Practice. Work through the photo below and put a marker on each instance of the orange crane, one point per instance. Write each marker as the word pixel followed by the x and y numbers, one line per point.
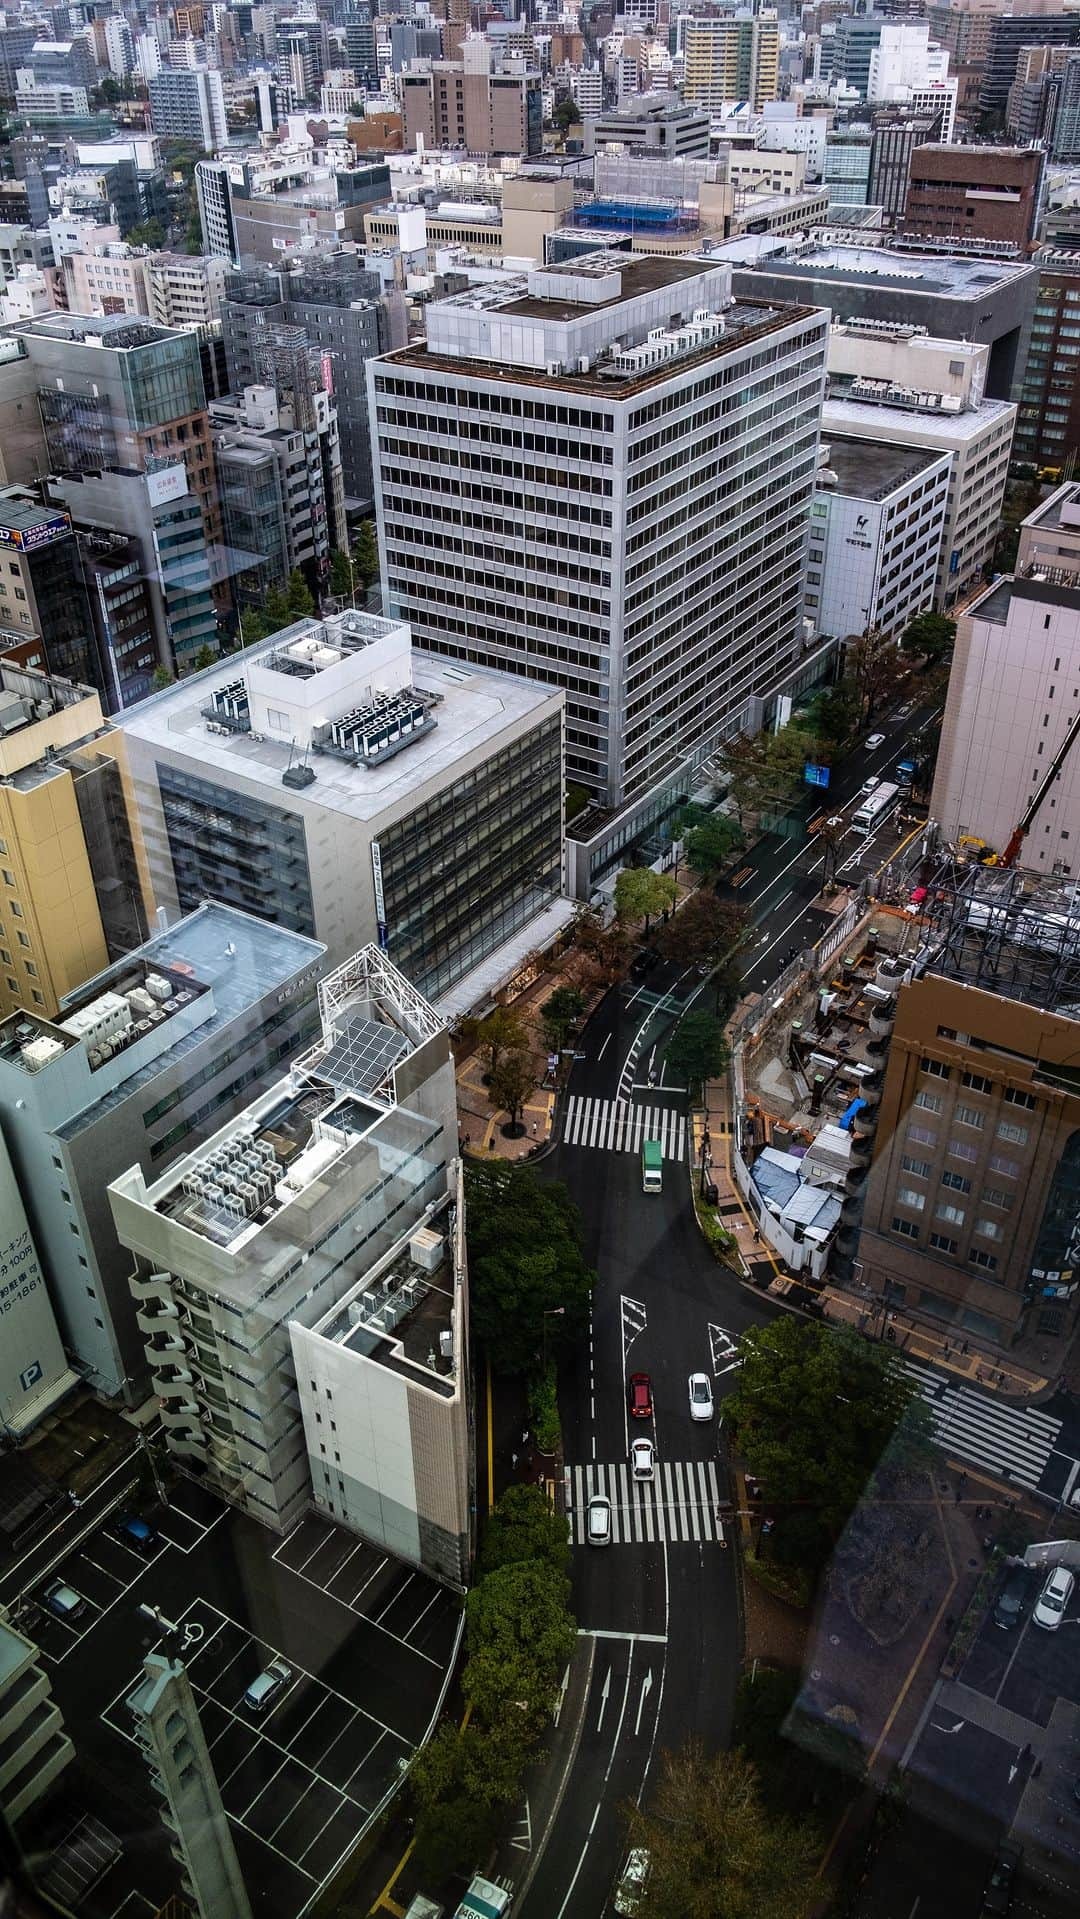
pixel 1020 832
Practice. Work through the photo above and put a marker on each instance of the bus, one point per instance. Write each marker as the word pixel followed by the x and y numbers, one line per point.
pixel 652 1166
pixel 874 807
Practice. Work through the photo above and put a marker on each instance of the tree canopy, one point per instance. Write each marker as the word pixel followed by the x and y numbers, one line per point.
pixel 930 635
pixel 640 893
pixel 875 667
pixel 698 1050
pixel 523 1526
pixel 561 1012
pixel 715 1851
pixel 815 1409
pixel 705 929
pixel 710 842
pixel 525 1259
pixel 512 1080
pixel 501 1031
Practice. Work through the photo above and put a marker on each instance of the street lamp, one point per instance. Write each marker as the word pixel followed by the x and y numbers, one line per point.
pixel 550 1312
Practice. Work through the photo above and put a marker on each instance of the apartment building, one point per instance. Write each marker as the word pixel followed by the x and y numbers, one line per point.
pixel 41 589
pixel 265 1231
pixel 899 387
pixel 135 1068
pixel 875 536
pixel 34 1747
pixel 449 105
pixel 638 449
pixel 187 103
pixel 970 1214
pixel 73 887
pixel 736 57
pixel 184 289
pixel 334 781
pixel 281 441
pixel 1012 697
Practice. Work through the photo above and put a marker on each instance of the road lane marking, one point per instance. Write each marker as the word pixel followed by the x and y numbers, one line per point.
pixel 604 1632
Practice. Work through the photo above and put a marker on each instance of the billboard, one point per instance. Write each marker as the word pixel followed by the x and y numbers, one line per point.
pixel 167 483
pixel 28 538
pixel 816 775
pixel 31 1355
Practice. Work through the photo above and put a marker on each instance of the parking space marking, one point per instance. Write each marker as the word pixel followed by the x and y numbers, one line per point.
pixel 126 1908
pixel 376 1617
pixel 422 1615
pixel 367 1617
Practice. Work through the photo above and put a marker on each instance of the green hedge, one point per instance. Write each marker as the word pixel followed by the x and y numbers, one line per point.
pixel 544 1409
pixel 792 1583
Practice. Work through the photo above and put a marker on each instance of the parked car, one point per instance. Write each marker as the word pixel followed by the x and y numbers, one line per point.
pixel 641 1459
pixel 999 1886
pixel 874 739
pixel 1053 1599
pixel 639 1394
pixel 632 1883
pixel 63 1601
pixel 272 1680
pixel 135 1532
pixel 701 1399
pixel 1012 1600
pixel 598 1527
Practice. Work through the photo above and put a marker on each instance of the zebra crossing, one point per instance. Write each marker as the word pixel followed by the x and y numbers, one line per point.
pixel 618 1128
pixel 1013 1442
pixel 679 1506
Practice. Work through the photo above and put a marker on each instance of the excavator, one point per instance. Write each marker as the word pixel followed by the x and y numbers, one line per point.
pixel 1020 832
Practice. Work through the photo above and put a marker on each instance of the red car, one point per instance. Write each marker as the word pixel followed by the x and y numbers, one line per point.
pixel 639 1393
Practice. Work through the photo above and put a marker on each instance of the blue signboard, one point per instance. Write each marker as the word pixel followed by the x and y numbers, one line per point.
pixel 816 775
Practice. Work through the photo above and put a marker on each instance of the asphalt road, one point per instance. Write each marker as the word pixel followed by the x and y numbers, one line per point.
pixel 660 1604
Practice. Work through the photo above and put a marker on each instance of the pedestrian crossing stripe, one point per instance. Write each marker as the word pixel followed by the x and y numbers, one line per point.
pixel 678 1507
pixel 1015 1442
pixel 618 1128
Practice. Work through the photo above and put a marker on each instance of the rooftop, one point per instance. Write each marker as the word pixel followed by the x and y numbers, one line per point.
pixel 870 470
pixel 470 706
pixel 637 274
pixel 1008 932
pixel 996 601
pixel 843 415
pixel 119 332
pixel 398 1312
pixel 941 274
pixel 1060 510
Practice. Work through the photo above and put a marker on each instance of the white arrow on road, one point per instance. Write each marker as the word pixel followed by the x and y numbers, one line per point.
pixel 561 1700
pixel 959 1726
pixel 646 1688
pixel 604 1699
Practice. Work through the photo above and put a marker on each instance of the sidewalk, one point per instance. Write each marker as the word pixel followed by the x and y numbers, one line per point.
pixel 1002 1376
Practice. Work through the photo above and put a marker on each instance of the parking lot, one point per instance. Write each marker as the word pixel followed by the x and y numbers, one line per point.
pixel 367 1642
pixel 1002 1740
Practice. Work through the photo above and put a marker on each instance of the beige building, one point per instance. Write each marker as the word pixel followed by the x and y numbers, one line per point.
pixel 447 105
pixel 74 891
pixel 108 279
pixel 734 58
pixel 184 290
pixel 767 170
pixel 1012 697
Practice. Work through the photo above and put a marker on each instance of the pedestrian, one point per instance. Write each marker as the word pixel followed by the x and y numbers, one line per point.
pixel 535 1129
pixel 964 1346
pixel 1036 1769
pixel 525 1437
pixel 513 1462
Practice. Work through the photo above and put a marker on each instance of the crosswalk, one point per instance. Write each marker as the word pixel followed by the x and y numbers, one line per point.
pixel 615 1127
pixel 1013 1442
pixel 680 1505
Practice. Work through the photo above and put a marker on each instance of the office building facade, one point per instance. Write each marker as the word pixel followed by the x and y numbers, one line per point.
pixel 269 1226
pixel 964 194
pixel 187 103
pixel 875 536
pixel 1048 423
pixel 42 592
pixel 136 1067
pixel 446 105
pixel 627 412
pixel 732 58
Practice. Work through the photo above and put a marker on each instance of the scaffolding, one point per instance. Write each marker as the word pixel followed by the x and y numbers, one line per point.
pixel 1005 931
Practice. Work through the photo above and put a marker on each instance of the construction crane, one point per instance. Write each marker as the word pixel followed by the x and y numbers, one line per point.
pixel 1020 832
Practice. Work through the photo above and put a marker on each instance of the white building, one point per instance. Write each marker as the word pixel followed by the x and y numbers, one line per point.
pixel 786 132
pixel 119 46
pixel 322 1210
pixel 1010 701
pixel 184 289
pixel 188 104
pixel 875 536
pixel 906 70
pixel 650 527
pixel 900 386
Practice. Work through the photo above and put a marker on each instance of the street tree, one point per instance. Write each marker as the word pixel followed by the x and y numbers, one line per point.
pixel 698 1050
pixel 599 951
pixel 526 1261
pixel 511 1083
pixel 342 575
pixel 520 1633
pixel 640 894
pixel 875 665
pixel 523 1526
pixel 816 1409
pixel 206 656
pixel 744 760
pixel 931 636
pixel 830 834
pixel 365 553
pixel 710 843
pixel 559 1014
pixel 501 1031
pixel 715 1851
pixel 837 712
pixel 461 1784
pixel 160 678
pixel 298 597
pixel 705 930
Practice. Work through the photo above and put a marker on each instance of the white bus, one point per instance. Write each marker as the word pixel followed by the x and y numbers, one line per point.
pixel 874 807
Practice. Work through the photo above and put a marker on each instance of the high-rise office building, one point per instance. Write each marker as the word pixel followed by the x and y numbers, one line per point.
pixel 332 780
pixel 300 55
pixel 189 104
pixel 450 105
pixel 875 536
pixel 848 52
pixel 1048 427
pixel 73 887
pixel 42 592
pixel 599 476
pixel 1008 35
pixel 733 57
pixel 338 1174
pixel 136 1067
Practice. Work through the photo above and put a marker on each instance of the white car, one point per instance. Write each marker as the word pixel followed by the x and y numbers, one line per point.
pixel 872 740
pixel 701 1399
pixel 869 785
pixel 598 1526
pixel 641 1459
pixel 1049 1610
pixel 267 1686
pixel 632 1883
